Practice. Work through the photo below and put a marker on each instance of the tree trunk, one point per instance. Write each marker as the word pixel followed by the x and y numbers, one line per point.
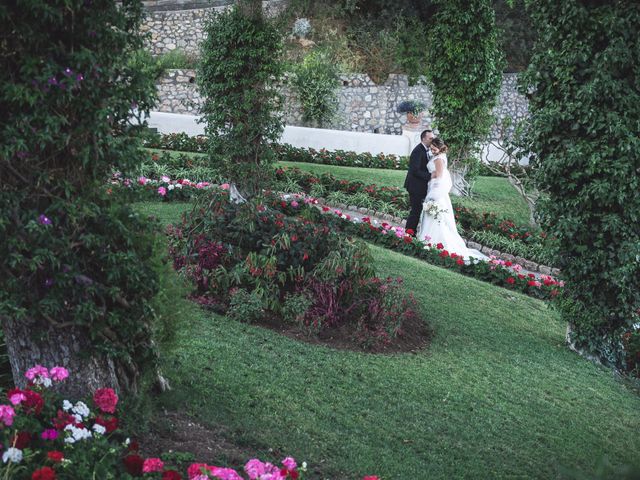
pixel 67 347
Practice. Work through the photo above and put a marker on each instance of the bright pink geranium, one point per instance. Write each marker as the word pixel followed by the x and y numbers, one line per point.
pixel 58 374
pixel 37 372
pixel 49 434
pixel 289 463
pixel 162 191
pixel 6 414
pixel 17 398
pixel 225 473
pixel 106 399
pixel 151 465
pixel 254 468
pixel 142 180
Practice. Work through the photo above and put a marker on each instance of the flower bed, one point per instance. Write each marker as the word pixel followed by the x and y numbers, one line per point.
pixel 177 141
pixel 522 240
pixel 164 188
pixel 289 153
pixel 260 264
pixel 46 437
pixel 499 272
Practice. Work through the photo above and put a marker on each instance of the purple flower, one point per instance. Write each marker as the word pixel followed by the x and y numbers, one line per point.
pixel 48 282
pixel 53 81
pixel 68 71
pixel 44 220
pixel 79 78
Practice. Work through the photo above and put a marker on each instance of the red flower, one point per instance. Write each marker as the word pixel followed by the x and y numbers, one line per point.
pixel 460 261
pixel 453 255
pixel 410 231
pixel 55 456
pixel 440 246
pixel 531 275
pixel 511 280
pixel 508 263
pixel 21 440
pixel 32 404
pixel 408 239
pixel 133 464
pixel 305 257
pixel 171 475
pixel 63 419
pixel 325 209
pixel 110 424
pixel 444 254
pixel 294 238
pixel 45 473
pixel 134 446
pixel 371 477
pixel 532 283
pixel 554 292
pixel 106 399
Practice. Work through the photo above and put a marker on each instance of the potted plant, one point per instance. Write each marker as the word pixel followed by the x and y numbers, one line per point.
pixel 413 109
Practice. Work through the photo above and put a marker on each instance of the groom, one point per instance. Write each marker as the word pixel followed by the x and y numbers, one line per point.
pixel 417 179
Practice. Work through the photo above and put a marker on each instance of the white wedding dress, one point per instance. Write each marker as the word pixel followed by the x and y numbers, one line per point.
pixel 442 230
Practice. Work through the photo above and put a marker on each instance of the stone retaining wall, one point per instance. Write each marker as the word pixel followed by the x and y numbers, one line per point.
pixel 173 25
pixel 364 106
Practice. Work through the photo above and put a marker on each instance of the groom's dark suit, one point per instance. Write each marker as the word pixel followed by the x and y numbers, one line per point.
pixel 416 184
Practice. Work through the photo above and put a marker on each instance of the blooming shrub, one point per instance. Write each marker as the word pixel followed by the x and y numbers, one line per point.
pixel 265 255
pixel 45 437
pixel 163 188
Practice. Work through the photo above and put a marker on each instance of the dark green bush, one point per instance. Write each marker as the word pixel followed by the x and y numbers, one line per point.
pixel 75 260
pixel 585 107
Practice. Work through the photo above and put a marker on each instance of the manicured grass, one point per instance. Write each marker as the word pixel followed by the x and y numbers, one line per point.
pixel 497 394
pixel 490 194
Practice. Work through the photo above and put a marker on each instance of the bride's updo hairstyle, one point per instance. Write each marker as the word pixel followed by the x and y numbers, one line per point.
pixel 439 144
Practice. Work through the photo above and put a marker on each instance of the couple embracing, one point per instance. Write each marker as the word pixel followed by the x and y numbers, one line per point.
pixel 429 183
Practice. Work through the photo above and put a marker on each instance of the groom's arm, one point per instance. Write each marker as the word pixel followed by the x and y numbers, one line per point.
pixel 415 162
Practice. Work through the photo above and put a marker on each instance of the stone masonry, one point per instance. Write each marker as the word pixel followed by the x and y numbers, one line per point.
pixel 364 106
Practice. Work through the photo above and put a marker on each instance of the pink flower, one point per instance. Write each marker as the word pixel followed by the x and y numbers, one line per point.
pixel 17 398
pixel 225 473
pixel 142 180
pixel 6 415
pixel 165 179
pixel 294 204
pixel 58 374
pixel 106 399
pixel 195 470
pixel 225 186
pixel 49 434
pixel 152 465
pixel 162 191
pixel 37 371
pixel 254 468
pixel 289 463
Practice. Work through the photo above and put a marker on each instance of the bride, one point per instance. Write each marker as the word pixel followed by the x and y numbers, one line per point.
pixel 437 223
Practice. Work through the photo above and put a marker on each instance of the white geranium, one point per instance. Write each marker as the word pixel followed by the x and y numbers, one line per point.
pixel 67 405
pixel 81 408
pixel 99 429
pixel 77 434
pixel 13 455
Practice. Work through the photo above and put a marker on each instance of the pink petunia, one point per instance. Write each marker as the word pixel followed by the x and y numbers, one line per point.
pixel 162 191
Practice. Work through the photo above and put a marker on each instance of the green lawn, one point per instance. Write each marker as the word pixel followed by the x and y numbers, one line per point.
pixel 490 194
pixel 497 394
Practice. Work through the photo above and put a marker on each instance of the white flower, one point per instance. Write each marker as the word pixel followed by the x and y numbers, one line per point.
pixel 81 409
pixel 178 186
pixel 46 382
pixel 127 441
pixel 79 418
pixel 67 405
pixel 76 433
pixel 171 187
pixel 99 429
pixel 13 455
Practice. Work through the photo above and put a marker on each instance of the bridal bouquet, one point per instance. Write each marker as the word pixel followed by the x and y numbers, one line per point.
pixel 432 209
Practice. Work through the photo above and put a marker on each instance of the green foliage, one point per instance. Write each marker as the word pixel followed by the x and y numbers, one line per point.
pixel 465 72
pixel 315 80
pixel 239 63
pixel 585 107
pixel 413 36
pixel 72 256
pixel 245 306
